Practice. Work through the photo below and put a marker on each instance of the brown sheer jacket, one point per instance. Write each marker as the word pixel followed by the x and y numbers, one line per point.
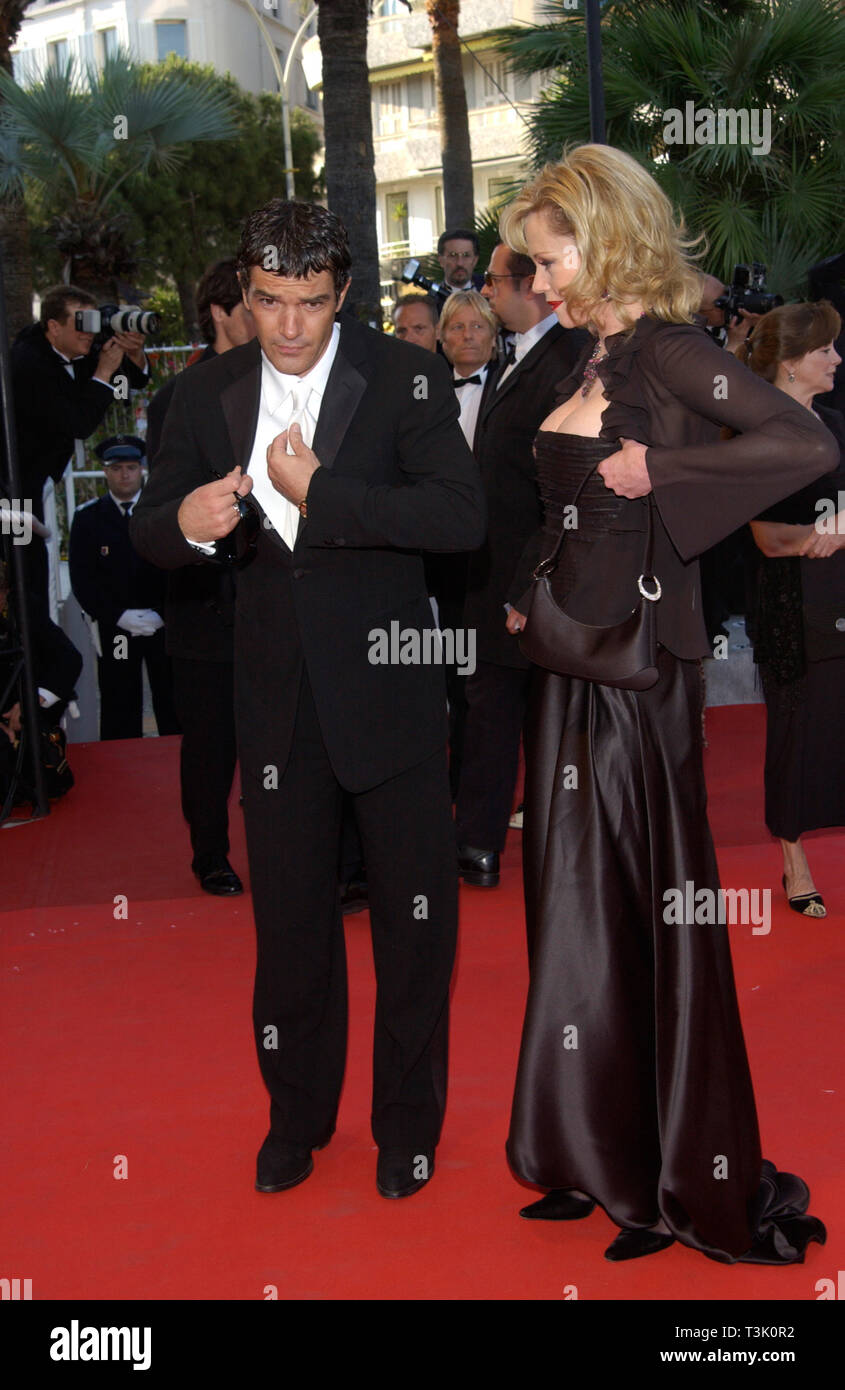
pixel 670 387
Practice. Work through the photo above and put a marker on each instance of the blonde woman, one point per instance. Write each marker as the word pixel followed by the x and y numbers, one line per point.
pixel 633 1088
pixel 797 644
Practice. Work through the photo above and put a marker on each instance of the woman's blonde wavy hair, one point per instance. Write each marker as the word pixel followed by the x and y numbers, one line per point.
pixel 631 246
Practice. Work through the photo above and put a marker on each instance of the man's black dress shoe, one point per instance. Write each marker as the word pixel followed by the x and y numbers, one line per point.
pixel 218 877
pixel 480 867
pixel 630 1245
pixel 401 1174
pixel 281 1165
pixel 559 1205
pixel 354 896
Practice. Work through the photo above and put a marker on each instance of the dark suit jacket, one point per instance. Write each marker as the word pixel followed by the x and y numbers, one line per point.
pixel 671 387
pixel 396 477
pixel 504 443
pixel 200 604
pixel 107 575
pixel 53 409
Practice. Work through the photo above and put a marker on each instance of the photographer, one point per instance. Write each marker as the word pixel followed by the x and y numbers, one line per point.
pixel 730 330
pixel 730 313
pixel 56 667
pixel 62 388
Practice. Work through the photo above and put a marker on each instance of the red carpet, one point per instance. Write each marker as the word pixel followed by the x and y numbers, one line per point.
pixel 132 1037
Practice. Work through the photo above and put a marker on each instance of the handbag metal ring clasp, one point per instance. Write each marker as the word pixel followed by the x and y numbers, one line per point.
pixel 652 598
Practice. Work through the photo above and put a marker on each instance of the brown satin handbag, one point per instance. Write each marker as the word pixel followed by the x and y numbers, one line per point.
pixel 623 654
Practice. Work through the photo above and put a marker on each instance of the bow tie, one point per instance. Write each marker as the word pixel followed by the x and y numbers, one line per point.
pixel 466 381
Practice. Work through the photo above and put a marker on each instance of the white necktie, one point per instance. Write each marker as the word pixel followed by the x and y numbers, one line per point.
pixel 296 407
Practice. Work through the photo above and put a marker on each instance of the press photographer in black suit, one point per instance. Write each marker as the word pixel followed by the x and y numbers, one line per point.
pixel 63 387
pixel 338 530
pixel 199 621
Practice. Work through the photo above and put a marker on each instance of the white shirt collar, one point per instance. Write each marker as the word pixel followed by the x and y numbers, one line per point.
pixel 131 500
pixel 277 386
pixel 524 342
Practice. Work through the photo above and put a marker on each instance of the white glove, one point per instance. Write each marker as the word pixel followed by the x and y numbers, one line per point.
pixel 152 618
pixel 136 621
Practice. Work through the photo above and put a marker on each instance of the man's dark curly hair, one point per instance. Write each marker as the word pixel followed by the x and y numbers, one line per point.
pixel 294 239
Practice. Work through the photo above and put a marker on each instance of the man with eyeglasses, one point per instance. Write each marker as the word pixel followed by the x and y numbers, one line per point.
pixel 457 252
pixel 542 353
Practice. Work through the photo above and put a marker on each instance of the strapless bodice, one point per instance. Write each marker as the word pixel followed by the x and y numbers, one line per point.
pixel 563 462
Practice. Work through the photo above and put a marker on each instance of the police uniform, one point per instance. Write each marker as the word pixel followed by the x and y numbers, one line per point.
pixel 108 578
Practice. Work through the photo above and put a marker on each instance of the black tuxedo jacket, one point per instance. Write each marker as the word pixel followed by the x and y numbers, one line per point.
pixel 504 446
pixel 396 478
pixel 200 604
pixel 52 409
pixel 107 575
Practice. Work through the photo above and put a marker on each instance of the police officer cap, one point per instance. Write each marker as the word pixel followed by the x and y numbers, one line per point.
pixel 120 446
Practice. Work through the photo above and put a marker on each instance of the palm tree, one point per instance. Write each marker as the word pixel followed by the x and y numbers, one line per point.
pixel 783 206
pixel 76 143
pixel 14 230
pixel 453 119
pixel 350 158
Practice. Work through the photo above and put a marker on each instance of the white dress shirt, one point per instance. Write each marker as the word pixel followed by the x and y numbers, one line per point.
pixel 279 394
pixel 130 500
pixel 524 342
pixel 469 400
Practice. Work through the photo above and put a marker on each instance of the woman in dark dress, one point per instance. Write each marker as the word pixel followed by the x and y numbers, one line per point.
pixel 799 624
pixel 633 1088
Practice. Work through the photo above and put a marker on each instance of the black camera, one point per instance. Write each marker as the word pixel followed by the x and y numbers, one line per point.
pixel 412 275
pixel 748 292
pixel 115 318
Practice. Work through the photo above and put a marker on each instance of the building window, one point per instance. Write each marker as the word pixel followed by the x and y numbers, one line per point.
pixel 495 73
pixel 57 55
pixel 311 99
pixel 392 114
pixel 106 44
pixel 397 217
pixel 171 37
pixel 420 97
pixel 439 210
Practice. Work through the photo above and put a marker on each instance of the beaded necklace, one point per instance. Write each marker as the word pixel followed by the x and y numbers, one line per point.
pixel 591 369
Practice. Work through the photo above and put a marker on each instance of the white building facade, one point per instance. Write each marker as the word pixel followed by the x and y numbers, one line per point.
pixel 406 136
pixel 219 32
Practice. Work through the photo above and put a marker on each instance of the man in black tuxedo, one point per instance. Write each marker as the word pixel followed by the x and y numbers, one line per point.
pixel 63 387
pixel 124 596
pixel 199 622
pixel 334 587
pixel 512 410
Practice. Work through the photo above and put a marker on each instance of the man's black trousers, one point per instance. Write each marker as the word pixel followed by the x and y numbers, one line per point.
pixel 300 1002
pixel 120 671
pixel 496 700
pixel 204 697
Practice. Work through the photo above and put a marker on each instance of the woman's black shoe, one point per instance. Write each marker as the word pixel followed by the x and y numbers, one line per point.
pixel 808 904
pixel 559 1205
pixel 630 1245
